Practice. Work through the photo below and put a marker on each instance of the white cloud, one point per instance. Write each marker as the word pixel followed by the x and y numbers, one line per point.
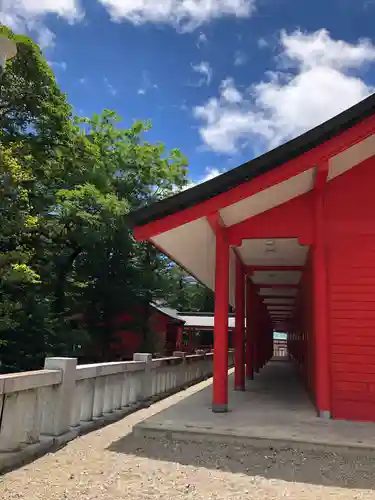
pixel 111 89
pixel 319 49
pixel 44 36
pixel 27 16
pixel 209 173
pixel 229 92
pixel 183 14
pixel 61 65
pixel 204 69
pixel 316 81
pixel 202 40
pixel 64 8
pixel 146 84
pixel 262 43
pixel 240 58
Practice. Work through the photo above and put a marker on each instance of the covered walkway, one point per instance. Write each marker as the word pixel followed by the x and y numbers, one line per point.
pixel 275 408
pixel 287 239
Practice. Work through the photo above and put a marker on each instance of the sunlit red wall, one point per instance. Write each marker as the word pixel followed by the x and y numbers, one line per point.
pixel 350 207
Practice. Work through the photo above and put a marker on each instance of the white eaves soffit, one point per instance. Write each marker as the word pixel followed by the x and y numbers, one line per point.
pixel 352 156
pixel 280 252
pixel 268 198
pixel 192 245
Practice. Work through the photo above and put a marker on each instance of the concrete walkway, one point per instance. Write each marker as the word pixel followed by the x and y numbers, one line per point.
pixel 114 464
pixel 275 408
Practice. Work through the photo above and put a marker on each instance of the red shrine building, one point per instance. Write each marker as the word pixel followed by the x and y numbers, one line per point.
pixel 288 240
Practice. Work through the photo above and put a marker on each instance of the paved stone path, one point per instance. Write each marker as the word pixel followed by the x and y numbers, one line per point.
pixel 111 464
pixel 275 407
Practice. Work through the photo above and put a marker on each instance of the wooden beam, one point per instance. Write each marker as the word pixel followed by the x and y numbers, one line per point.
pixel 279 313
pixel 215 222
pixel 292 219
pixel 321 174
pixel 274 268
pixel 280 307
pixel 278 300
pixel 276 285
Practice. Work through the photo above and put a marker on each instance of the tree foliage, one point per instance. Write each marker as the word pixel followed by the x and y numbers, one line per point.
pixel 185 294
pixel 66 185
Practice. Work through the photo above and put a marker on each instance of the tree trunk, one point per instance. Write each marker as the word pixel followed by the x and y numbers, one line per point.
pixel 62 273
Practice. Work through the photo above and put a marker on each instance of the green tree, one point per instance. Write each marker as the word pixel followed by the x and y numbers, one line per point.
pixel 16 273
pixel 33 113
pixel 186 294
pixel 67 184
pixel 126 275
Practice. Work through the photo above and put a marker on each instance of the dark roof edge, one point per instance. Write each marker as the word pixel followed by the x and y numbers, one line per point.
pixel 167 311
pixel 256 167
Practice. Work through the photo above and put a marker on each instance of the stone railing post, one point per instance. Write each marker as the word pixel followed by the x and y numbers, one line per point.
pixel 146 390
pixel 58 408
pixel 180 378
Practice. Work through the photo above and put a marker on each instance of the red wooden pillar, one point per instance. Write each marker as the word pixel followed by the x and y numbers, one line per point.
pixel 180 330
pixel 220 380
pixel 189 339
pixel 256 335
pixel 249 332
pixel 239 340
pixel 261 336
pixel 320 302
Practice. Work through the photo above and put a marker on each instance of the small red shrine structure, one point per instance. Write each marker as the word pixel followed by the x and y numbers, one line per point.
pixel 202 324
pixel 288 239
pixel 164 323
pixel 166 327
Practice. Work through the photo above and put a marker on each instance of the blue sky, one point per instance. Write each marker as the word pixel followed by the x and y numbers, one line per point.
pixel 223 80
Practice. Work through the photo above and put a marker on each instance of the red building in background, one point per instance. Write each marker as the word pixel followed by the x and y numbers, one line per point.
pixel 199 330
pixel 172 331
pixel 166 328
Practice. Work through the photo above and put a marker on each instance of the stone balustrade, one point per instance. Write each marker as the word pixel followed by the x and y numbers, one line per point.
pixel 44 408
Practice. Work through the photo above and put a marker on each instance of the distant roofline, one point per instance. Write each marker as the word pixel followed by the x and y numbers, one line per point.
pixel 167 311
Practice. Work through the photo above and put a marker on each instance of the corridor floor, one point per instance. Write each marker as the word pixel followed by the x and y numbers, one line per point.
pixel 275 407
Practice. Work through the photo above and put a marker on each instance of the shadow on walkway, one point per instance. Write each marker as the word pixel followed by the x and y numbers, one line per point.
pixel 275 406
pixel 346 470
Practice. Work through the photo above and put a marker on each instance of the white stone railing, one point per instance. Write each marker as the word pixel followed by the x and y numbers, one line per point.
pixel 49 407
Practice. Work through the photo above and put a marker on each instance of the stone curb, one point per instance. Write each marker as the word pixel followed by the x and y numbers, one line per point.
pixel 209 435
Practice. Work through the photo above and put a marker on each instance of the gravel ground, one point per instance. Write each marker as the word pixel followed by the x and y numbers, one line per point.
pixel 112 464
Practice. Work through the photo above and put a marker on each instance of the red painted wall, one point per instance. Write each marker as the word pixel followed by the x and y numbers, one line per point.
pixel 128 342
pixel 350 206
